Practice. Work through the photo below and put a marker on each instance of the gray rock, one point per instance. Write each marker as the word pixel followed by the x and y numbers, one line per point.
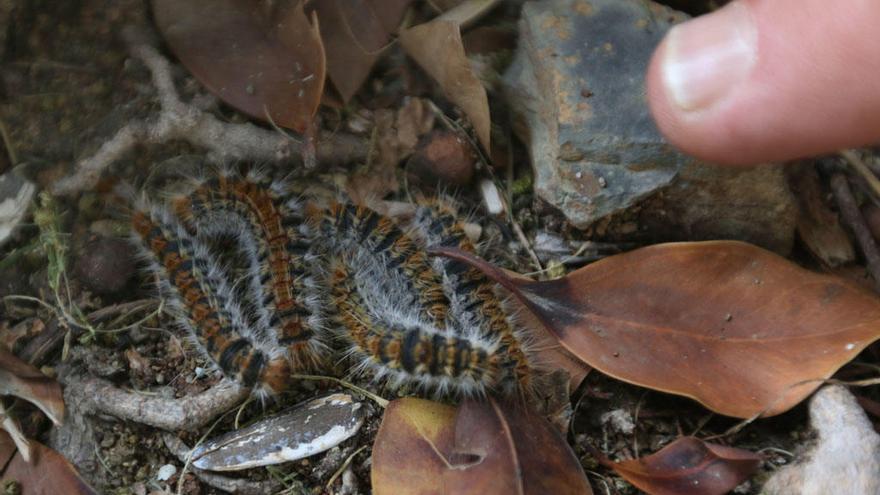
pixel 577 82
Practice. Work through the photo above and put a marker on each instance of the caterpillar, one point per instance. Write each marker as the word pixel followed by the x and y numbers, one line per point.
pixel 474 303
pixel 471 351
pixel 201 299
pixel 372 294
pixel 282 276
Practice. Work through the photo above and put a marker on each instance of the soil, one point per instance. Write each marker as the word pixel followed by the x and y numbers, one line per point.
pixel 67 84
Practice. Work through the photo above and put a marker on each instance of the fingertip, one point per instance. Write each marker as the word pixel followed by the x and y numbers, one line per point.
pixel 792 82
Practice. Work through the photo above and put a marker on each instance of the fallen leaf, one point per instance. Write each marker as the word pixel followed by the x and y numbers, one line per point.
pixel 437 47
pixel 688 466
pixel 731 325
pixel 354 33
pixel 23 380
pixel 10 426
pixel 263 58
pixel 306 429
pixel 424 447
pixel 547 353
pixel 48 472
pixel 396 135
pixel 7 449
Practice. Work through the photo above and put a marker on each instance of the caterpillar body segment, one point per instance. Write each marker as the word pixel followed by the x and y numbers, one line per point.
pixel 282 278
pixel 203 302
pixel 475 307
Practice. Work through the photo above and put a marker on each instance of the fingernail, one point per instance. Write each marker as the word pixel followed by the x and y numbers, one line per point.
pixel 707 57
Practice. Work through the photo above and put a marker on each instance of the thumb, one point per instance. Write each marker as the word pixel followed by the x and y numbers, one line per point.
pixel 770 80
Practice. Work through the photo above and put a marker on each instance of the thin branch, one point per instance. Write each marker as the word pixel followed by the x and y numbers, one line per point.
pixel 185 413
pixel 863 171
pixel 852 217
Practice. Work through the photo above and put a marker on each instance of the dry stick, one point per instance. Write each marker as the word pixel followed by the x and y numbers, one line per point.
pixel 185 413
pixel 182 121
pixel 862 169
pixel 849 209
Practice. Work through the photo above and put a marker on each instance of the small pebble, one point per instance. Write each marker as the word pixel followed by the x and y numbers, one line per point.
pixel 166 472
pixel 445 157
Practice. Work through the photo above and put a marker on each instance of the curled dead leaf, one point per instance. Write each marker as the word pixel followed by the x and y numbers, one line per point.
pixel 688 466
pixel 735 327
pixel 480 448
pixel 22 380
pixel 263 58
pixel 47 472
pixel 354 33
pixel 437 47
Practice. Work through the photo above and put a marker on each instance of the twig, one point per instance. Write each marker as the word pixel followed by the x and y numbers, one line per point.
pixel 864 172
pixel 849 210
pixel 343 466
pixel 186 413
pixel 525 242
pixel 182 121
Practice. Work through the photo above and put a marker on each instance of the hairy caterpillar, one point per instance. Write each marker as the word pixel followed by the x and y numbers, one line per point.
pixel 282 278
pixel 405 318
pixel 201 299
pixel 474 304
pixel 471 350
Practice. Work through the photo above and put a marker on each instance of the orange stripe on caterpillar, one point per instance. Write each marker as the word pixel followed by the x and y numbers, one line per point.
pixel 197 292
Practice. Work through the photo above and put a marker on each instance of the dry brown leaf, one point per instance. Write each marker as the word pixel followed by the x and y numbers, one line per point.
pixel 23 380
pixel 396 135
pixel 354 33
pixel 47 473
pixel 10 426
pixel 734 326
pixel 424 447
pixel 437 47
pixel 263 58
pixel 688 466
pixel 7 449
